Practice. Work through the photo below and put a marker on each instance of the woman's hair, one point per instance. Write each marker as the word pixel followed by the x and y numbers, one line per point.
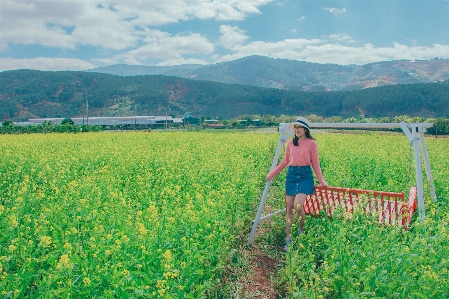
pixel 307 132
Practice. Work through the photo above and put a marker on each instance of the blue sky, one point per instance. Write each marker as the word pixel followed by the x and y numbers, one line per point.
pixel 84 34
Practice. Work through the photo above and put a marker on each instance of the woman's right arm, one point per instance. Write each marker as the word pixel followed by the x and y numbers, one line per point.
pixel 281 165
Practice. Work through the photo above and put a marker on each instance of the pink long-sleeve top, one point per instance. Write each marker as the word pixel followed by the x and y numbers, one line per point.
pixel 305 154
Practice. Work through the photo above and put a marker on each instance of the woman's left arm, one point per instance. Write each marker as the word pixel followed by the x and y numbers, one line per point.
pixel 316 163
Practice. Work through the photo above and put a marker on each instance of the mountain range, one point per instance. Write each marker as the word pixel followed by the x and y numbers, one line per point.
pixel 298 75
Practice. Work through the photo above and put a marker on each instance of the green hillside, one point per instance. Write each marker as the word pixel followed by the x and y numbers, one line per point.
pixel 28 94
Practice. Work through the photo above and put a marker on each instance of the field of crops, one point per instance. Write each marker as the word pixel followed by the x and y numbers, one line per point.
pixel 356 259
pixel 158 214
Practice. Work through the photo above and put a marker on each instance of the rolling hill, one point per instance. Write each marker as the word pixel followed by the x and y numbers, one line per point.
pixel 299 75
pixel 28 94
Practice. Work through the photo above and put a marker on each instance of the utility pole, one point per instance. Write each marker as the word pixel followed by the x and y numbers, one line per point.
pixel 166 118
pixel 87 110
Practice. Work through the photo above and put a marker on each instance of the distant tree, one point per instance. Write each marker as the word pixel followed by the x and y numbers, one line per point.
pixel 67 121
pixel 255 116
pixel 441 127
pixel 333 119
pixel 286 118
pixel 313 118
pixel 248 120
pixel 47 123
pixel 8 123
pixel 268 120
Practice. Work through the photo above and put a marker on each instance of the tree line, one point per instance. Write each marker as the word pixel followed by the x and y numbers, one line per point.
pixel 440 125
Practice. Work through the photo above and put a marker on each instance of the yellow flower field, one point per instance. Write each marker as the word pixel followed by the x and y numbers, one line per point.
pixel 156 214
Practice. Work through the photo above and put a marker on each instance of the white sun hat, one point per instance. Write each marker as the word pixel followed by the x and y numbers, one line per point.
pixel 301 121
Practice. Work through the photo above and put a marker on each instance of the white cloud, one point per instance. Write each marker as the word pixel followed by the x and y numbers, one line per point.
pixel 319 51
pixel 119 31
pixel 166 47
pixel 281 49
pixel 45 64
pixel 63 24
pixel 227 10
pixel 335 11
pixel 109 24
pixel 24 22
pixel 342 38
pixel 231 36
pixel 180 61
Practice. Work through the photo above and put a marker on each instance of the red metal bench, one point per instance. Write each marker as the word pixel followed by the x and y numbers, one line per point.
pixel 386 207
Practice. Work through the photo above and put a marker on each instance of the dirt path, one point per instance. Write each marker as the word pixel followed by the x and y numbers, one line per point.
pixel 258 283
pixel 262 262
pixel 254 269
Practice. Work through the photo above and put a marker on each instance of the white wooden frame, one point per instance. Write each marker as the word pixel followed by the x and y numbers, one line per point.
pixel 414 133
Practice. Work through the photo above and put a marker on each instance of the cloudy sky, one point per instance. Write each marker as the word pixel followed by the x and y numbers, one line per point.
pixel 84 34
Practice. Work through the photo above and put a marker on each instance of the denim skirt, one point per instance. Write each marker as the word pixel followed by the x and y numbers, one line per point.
pixel 299 179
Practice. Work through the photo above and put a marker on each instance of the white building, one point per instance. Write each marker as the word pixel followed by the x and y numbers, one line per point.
pixel 114 120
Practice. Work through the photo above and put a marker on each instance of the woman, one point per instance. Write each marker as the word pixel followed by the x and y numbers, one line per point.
pixel 300 155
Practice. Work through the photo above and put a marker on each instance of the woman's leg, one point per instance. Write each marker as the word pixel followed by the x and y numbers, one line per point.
pixel 289 218
pixel 299 201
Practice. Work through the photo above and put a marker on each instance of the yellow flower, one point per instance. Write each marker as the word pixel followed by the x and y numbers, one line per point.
pixel 12 248
pixel 13 220
pixel 153 212
pixel 45 241
pixel 64 262
pixel 141 229
pixel 160 285
pixel 125 273
pixel 86 281
pixel 168 256
pixel 68 246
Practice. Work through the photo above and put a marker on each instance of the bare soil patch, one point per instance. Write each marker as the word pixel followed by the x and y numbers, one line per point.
pixel 257 284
